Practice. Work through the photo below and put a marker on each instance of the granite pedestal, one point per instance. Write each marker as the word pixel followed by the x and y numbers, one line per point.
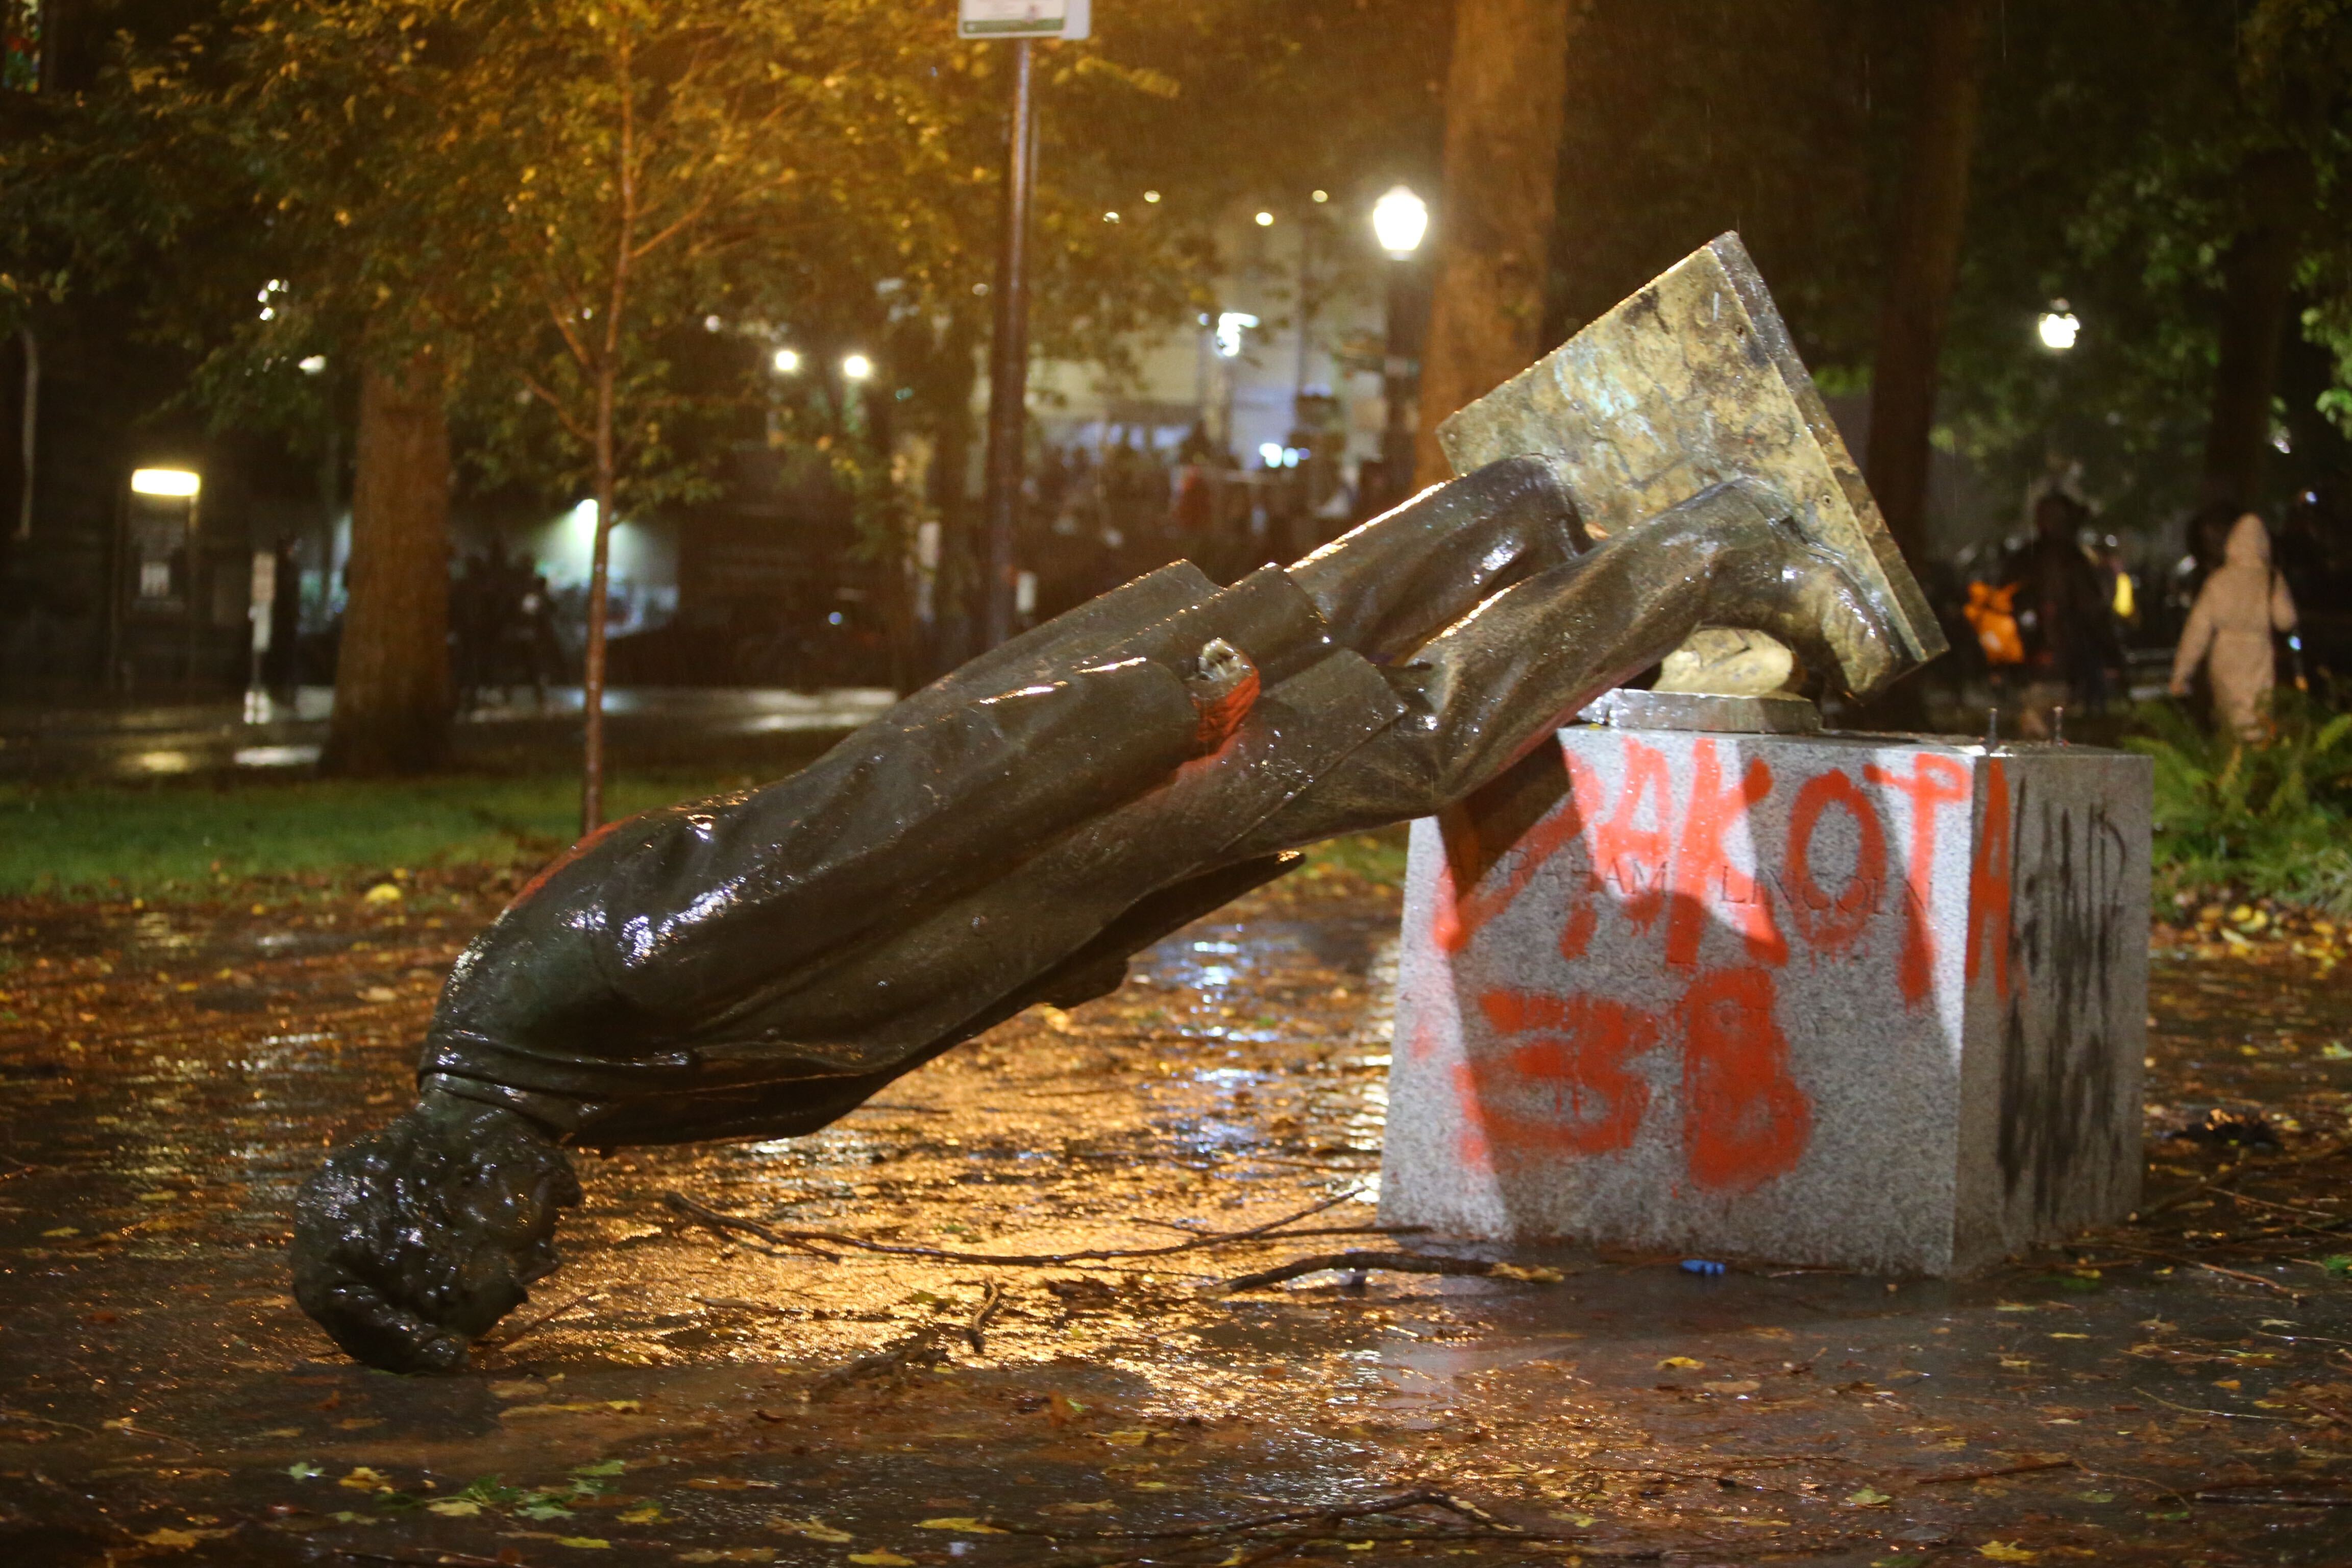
pixel 1862 1002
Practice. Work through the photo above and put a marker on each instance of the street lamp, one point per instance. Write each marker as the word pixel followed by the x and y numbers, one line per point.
pixel 178 484
pixel 2058 327
pixel 856 367
pixel 1400 221
pixel 787 360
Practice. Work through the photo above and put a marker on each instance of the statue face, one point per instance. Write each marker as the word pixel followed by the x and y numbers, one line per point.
pixel 411 1243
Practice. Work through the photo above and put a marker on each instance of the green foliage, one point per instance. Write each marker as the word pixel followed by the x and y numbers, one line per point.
pixel 2267 820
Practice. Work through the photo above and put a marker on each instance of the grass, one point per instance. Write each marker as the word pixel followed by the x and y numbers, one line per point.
pixel 184 839
pixel 188 840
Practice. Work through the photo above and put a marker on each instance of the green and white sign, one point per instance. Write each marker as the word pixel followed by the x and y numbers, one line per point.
pixel 1024 18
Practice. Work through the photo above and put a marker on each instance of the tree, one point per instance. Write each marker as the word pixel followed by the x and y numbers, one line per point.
pixel 1506 88
pixel 392 677
pixel 1922 263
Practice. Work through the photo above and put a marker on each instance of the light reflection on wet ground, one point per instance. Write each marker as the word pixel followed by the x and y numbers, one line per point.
pixel 170 1077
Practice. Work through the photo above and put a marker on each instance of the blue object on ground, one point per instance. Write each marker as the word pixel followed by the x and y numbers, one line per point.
pixel 1701 1266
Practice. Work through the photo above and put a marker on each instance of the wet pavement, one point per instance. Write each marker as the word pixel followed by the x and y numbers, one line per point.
pixel 2179 1391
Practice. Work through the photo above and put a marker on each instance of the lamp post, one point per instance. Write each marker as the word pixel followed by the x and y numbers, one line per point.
pixel 1400 222
pixel 1008 367
pixel 158 488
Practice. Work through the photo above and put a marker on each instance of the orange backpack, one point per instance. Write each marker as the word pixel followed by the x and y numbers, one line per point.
pixel 1989 611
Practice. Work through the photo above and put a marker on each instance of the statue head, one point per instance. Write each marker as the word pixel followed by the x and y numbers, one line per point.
pixel 411 1242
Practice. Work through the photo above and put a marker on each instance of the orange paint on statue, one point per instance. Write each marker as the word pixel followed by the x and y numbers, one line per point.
pixel 1699 863
pixel 1576 1050
pixel 1744 1120
pixel 1989 888
pixel 1933 782
pixel 1827 924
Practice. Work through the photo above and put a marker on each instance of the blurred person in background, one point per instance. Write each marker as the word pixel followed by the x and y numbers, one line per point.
pixel 2066 613
pixel 2244 603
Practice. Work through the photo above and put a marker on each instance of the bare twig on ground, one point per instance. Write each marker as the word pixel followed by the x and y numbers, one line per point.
pixel 2024 1467
pixel 541 1321
pixel 727 1225
pixel 2335 1222
pixel 423 1559
pixel 991 1301
pixel 2173 1200
pixel 921 1348
pixel 781 1237
pixel 2187 1262
pixel 2198 1410
pixel 2277 1497
pixel 1394 1262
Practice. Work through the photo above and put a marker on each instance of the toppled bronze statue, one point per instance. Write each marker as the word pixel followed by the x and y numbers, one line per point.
pixel 759 965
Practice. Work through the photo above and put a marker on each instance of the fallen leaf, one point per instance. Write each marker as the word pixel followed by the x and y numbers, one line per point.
pixel 1739 1386
pixel 454 1508
pixel 2005 1552
pixel 626 1406
pixel 649 1513
pixel 381 893
pixel 364 1479
pixel 1071 1508
pixel 962 1523
pixel 303 1470
pixel 60 1233
pixel 812 1530
pixel 1513 1271
pixel 379 994
pixel 881 1560
pixel 1681 1363
pixel 1869 1497
pixel 585 1543
pixel 1127 1439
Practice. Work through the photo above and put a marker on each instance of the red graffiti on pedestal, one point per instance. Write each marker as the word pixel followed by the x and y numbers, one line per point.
pixel 1562 1078
pixel 1744 1120
pixel 1934 782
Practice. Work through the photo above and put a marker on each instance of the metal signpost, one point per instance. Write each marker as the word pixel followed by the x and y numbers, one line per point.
pixel 1008 370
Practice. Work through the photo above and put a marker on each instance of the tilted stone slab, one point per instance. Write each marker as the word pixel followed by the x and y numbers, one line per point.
pixel 1690 382
pixel 1848 1001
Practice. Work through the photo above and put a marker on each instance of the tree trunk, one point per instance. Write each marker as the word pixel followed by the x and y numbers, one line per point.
pixel 1923 265
pixel 1505 99
pixel 391 674
pixel 2258 278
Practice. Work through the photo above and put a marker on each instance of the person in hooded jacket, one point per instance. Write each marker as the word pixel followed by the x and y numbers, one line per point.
pixel 2241 605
